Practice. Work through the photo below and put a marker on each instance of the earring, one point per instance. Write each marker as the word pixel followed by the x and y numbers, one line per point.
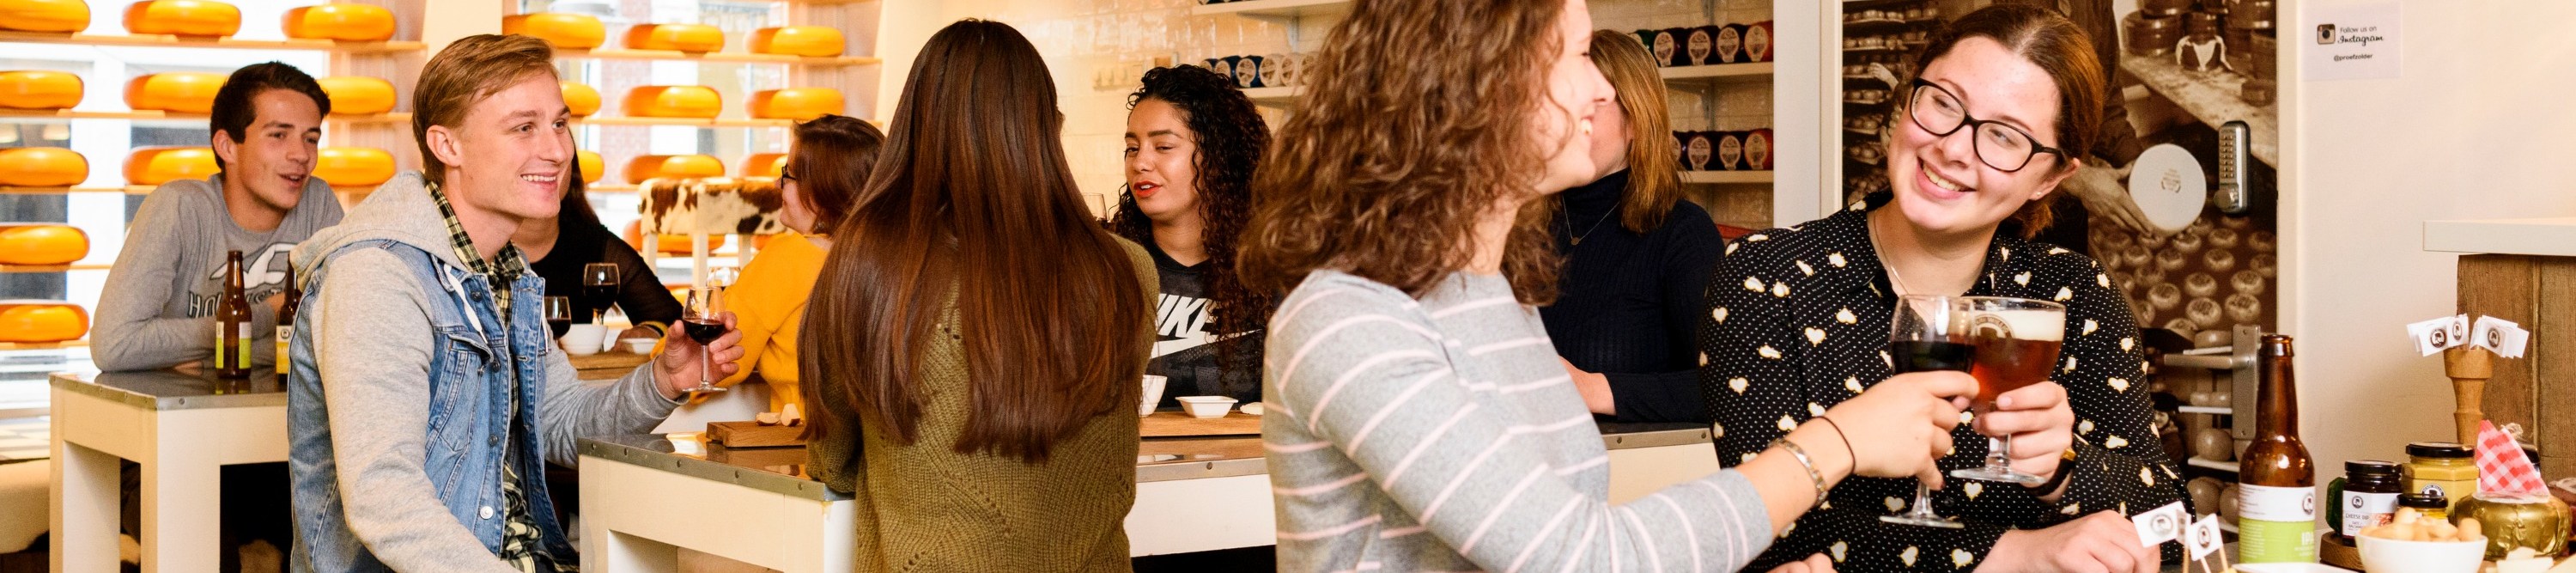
pixel 1586 127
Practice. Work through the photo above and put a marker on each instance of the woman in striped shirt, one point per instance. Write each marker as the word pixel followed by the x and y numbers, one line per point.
pixel 1418 418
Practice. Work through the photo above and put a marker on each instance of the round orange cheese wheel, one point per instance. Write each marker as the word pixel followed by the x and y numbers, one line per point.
pixel 673 101
pixel 44 15
pixel 358 95
pixel 592 167
pixel 672 166
pixel 342 22
pixel 39 89
pixel 764 165
pixel 564 31
pixel 354 166
pixel 799 104
pixel 41 321
pixel 681 37
pixel 200 18
pixel 667 244
pixel 182 92
pixel 808 41
pixel 41 244
pixel 158 165
pixel 582 100
pixel 42 167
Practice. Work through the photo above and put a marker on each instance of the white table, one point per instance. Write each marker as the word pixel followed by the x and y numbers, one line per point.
pixel 643 497
pixel 181 430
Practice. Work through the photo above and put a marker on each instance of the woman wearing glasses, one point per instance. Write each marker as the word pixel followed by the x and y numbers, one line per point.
pixel 1798 319
pixel 825 171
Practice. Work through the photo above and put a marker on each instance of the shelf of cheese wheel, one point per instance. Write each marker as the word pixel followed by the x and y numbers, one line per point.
pixel 711 207
pixel 158 165
pixel 340 23
pixel 42 167
pixel 192 18
pixel 799 104
pixel 42 321
pixel 44 15
pixel 801 41
pixel 693 38
pixel 673 101
pixel 581 99
pixel 764 165
pixel 41 244
pixel 358 95
pixel 563 31
pixel 591 166
pixel 39 89
pixel 181 92
pixel 665 244
pixel 353 166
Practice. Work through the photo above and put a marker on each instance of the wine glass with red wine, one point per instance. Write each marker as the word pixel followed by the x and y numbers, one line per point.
pixel 559 314
pixel 599 288
pixel 2017 341
pixel 1919 340
pixel 703 320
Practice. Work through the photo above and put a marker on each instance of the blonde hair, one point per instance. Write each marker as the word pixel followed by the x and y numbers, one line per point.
pixel 1654 171
pixel 467 71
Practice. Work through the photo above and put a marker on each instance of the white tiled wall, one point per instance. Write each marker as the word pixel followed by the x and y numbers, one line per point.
pixel 1098 48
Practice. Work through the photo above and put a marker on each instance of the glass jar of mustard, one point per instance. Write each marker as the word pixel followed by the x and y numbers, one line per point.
pixel 2441 467
pixel 2431 505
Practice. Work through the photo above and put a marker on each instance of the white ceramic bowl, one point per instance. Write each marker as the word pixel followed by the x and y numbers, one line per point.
pixel 2422 556
pixel 583 339
pixel 1153 395
pixel 1207 406
pixel 639 345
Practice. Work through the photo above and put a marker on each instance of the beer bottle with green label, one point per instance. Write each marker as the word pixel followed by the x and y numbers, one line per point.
pixel 2276 496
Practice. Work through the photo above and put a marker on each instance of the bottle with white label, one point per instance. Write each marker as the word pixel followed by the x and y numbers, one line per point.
pixel 2277 497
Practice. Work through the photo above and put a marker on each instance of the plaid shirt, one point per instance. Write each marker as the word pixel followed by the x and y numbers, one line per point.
pixel 522 545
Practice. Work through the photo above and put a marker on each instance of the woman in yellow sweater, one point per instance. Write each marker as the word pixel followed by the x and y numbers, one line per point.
pixel 825 169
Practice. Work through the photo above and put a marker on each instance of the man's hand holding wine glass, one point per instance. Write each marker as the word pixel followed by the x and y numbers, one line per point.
pixel 682 363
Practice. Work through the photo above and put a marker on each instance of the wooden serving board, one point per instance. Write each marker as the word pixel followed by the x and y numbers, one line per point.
pixel 619 359
pixel 1173 424
pixel 749 434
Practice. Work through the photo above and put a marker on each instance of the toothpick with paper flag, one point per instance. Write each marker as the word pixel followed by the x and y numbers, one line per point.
pixel 2468 358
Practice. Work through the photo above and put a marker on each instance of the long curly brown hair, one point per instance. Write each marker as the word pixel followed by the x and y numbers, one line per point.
pixel 1231 137
pixel 1416 123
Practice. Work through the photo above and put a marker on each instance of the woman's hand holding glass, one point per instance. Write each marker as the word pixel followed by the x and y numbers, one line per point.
pixel 2041 425
pixel 1901 425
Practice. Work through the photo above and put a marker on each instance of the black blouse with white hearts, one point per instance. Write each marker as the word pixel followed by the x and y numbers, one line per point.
pixel 1798 322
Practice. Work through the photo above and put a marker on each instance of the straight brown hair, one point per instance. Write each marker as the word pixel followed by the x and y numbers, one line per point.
pixel 1654 172
pixel 467 71
pixel 973 205
pixel 831 161
pixel 1416 122
pixel 2058 47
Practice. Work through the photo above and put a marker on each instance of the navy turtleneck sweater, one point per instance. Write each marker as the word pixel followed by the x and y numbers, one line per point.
pixel 1629 304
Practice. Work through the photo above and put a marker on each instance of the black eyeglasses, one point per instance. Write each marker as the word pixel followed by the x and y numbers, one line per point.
pixel 1999 145
pixel 786 176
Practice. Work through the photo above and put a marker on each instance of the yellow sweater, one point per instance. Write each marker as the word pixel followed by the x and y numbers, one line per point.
pixel 768 303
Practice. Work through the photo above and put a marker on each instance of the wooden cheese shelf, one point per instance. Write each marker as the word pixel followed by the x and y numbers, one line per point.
pixel 1726 177
pixel 2213 97
pixel 164 41
pixel 724 57
pixel 130 190
pixel 49 268
pixel 1274 97
pixel 395 117
pixel 1276 9
pixel 1714 74
pixel 686 121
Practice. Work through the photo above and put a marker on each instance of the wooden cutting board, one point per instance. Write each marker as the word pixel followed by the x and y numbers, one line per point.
pixel 617 360
pixel 1173 424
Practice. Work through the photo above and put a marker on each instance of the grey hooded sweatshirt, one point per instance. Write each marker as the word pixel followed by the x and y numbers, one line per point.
pixel 371 349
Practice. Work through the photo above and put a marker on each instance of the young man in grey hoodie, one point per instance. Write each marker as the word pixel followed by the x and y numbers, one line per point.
pixel 425 397
pixel 158 307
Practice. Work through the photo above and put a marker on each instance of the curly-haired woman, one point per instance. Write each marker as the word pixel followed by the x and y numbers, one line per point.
pixel 1192 140
pixel 1418 418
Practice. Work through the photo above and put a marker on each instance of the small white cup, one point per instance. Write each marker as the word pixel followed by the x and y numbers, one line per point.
pixel 639 345
pixel 1153 395
pixel 584 339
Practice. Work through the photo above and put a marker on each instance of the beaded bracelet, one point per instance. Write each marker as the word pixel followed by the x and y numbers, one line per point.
pixel 1803 461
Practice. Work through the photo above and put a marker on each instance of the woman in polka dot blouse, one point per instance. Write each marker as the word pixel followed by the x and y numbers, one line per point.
pixel 1798 321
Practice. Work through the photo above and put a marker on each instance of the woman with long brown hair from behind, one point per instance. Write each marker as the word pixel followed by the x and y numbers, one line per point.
pixel 1416 416
pixel 973 347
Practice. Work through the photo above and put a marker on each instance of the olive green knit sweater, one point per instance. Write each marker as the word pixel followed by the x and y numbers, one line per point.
pixel 923 507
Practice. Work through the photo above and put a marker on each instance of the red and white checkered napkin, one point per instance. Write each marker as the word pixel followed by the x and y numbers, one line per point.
pixel 2502 469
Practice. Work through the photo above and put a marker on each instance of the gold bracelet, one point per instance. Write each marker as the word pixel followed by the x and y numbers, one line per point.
pixel 1800 454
